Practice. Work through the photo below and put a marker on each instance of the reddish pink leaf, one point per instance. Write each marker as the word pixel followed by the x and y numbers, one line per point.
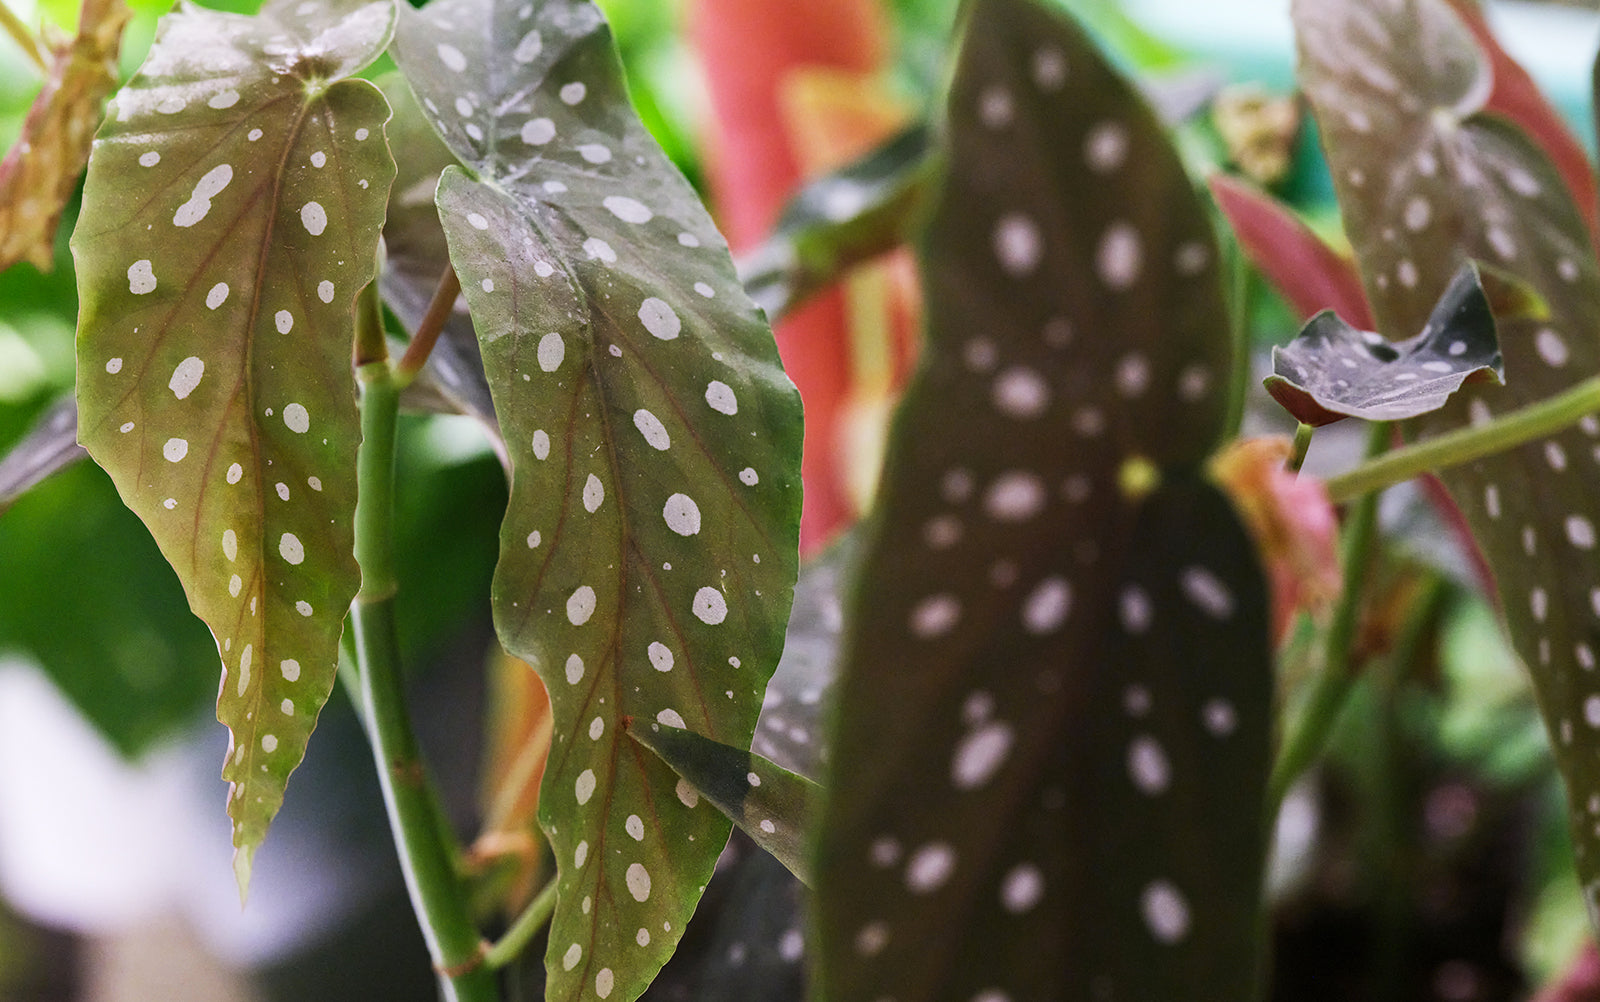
pixel 1311 275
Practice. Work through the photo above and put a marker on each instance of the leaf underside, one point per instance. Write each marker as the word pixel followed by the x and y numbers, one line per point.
pixel 40 173
pixel 1332 371
pixel 1424 181
pixel 840 220
pixel 416 257
pixel 790 732
pixel 1051 743
pixel 768 802
pixel 649 550
pixel 231 215
pixel 50 446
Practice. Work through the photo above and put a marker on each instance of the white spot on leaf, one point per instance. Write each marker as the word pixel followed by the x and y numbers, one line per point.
pixel 659 319
pixel 186 376
pixel 580 605
pixel 682 515
pixel 709 606
pixel 141 278
pixel 638 879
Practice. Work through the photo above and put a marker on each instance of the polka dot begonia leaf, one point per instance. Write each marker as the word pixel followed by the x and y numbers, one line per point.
pixel 1425 179
pixel 840 220
pixel 649 550
pixel 1047 768
pixel 40 173
pixel 1332 371
pixel 231 216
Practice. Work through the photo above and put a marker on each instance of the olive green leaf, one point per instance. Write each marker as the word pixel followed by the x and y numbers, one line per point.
pixel 650 545
pixel 1425 180
pixel 1049 759
pixel 230 218
pixel 1332 371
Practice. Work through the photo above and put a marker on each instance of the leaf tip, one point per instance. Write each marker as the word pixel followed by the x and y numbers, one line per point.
pixel 244 857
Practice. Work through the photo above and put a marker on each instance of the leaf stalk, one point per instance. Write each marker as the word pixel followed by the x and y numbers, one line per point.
pixel 533 918
pixel 415 818
pixel 1305 740
pixel 1302 445
pixel 1464 445
pixel 432 325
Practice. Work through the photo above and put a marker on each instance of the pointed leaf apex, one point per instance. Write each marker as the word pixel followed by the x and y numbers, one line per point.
pixel 244 858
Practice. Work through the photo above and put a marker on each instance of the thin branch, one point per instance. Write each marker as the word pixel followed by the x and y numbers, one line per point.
pixel 533 918
pixel 432 325
pixel 1464 445
pixel 1305 740
pixel 29 43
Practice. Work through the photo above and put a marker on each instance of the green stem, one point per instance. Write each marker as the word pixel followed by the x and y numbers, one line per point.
pixel 25 39
pixel 1305 740
pixel 1302 445
pixel 533 918
pixel 1464 445
pixel 426 858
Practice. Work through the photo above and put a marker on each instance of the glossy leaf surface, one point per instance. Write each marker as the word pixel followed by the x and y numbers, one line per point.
pixel 41 171
pixel 768 802
pixel 1332 371
pixel 1424 183
pixel 1051 746
pixel 840 220
pixel 50 446
pixel 230 218
pixel 649 550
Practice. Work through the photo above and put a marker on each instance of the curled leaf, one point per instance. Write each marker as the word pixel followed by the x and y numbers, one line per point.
pixel 1332 371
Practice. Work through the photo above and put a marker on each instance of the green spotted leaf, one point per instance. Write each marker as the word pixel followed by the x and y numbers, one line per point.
pixel 231 216
pixel 841 220
pixel 1332 371
pixel 1425 180
pixel 649 550
pixel 768 802
pixel 1050 754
